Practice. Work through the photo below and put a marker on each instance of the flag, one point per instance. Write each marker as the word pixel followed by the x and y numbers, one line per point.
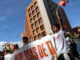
pixel 8 45
pixel 65 26
pixel 62 3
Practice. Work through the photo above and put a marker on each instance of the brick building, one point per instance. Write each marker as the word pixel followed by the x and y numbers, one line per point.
pixel 40 16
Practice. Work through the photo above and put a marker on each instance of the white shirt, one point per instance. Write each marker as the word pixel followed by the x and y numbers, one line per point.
pixel 61 45
pixel 68 41
pixel 9 57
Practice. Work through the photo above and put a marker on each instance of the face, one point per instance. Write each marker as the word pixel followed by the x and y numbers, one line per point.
pixel 55 29
pixel 14 48
pixel 79 29
pixel 24 42
pixel 74 33
pixel 5 53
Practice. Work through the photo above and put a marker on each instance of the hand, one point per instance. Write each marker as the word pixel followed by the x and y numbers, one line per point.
pixel 54 56
pixel 57 12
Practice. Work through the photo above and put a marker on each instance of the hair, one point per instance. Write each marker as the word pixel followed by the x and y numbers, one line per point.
pixel 25 39
pixel 7 51
pixel 16 46
pixel 56 26
pixel 75 32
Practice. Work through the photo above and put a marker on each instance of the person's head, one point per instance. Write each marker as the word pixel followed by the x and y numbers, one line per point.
pixel 67 34
pixel 75 33
pixel 15 47
pixel 25 40
pixel 55 28
pixel 78 28
pixel 6 52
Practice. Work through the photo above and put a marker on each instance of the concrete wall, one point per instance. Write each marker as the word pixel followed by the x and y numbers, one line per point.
pixel 45 16
pixel 48 9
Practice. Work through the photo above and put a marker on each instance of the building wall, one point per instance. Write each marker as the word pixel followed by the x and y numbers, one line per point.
pixel 32 22
pixel 40 17
pixel 51 8
pixel 64 19
pixel 45 16
pixel 51 11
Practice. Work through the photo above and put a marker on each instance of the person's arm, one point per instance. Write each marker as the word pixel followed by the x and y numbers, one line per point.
pixel 71 40
pixel 60 23
pixel 54 57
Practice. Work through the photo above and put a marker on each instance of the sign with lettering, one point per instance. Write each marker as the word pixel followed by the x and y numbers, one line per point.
pixel 41 49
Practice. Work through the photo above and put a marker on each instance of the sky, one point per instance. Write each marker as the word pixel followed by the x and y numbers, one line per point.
pixel 12 18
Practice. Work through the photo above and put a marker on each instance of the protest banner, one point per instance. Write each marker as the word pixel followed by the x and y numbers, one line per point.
pixel 41 49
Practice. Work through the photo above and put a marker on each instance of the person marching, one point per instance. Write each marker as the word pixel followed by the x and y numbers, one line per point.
pixel 61 45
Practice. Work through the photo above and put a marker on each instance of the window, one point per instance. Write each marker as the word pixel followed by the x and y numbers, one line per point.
pixel 32 26
pixel 30 15
pixel 52 3
pixel 48 1
pixel 53 17
pixel 34 17
pixel 32 7
pixel 31 39
pixel 51 11
pixel 43 34
pixel 34 32
pixel 54 8
pixel 39 36
pixel 35 37
pixel 40 21
pixel 35 4
pixel 28 10
pixel 36 24
pixel 33 12
pixel 38 15
pixel 41 27
pixel 31 20
pixel 49 5
pixel 37 30
pixel 37 9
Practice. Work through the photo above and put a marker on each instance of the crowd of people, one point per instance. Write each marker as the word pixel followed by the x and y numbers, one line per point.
pixel 67 44
pixel 8 53
pixel 15 46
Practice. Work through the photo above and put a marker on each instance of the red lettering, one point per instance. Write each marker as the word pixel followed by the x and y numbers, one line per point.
pixel 18 56
pixel 44 50
pixel 40 51
pixel 26 55
pixel 51 49
pixel 35 53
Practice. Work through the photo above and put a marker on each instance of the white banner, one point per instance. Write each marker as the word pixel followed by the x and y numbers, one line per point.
pixel 41 49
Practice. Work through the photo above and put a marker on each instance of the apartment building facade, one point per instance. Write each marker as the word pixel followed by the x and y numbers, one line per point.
pixel 40 16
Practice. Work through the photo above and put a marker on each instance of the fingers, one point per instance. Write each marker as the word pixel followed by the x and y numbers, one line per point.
pixel 57 12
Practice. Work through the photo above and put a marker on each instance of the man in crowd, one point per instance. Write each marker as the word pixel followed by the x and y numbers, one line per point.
pixel 61 45
pixel 15 47
pixel 24 40
pixel 8 55
pixel 76 44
